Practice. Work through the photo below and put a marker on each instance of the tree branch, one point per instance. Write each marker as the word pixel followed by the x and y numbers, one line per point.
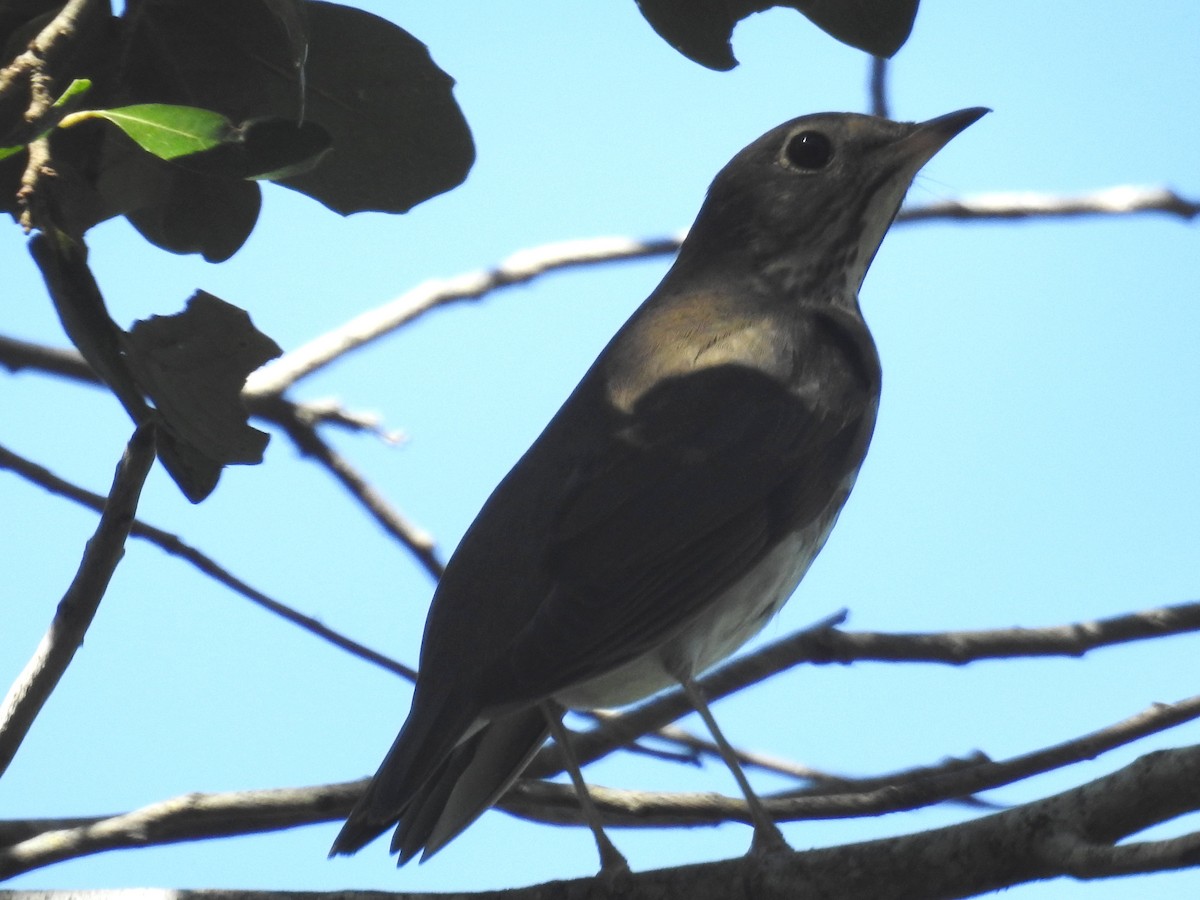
pixel 418 542
pixel 33 844
pixel 175 546
pixel 277 376
pixel 50 45
pixel 1115 201
pixel 523 266
pixel 16 355
pixel 298 420
pixel 66 362
pixel 1073 833
pixel 190 817
pixel 27 94
pixel 544 801
pixel 41 675
pixel 824 643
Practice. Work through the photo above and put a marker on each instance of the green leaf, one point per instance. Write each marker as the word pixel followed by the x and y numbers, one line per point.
pixel 166 130
pixel 76 88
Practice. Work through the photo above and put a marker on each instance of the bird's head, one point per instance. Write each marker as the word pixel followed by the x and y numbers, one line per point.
pixel 812 199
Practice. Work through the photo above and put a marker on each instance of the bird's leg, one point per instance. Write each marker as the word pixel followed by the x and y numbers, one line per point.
pixel 767 836
pixel 612 862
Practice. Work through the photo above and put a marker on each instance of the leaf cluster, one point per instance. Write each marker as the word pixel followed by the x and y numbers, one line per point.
pixel 171 112
pixel 324 99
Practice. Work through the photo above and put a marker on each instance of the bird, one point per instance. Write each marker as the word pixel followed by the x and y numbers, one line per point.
pixel 677 498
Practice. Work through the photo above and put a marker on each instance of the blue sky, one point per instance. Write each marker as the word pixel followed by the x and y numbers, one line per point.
pixel 1033 463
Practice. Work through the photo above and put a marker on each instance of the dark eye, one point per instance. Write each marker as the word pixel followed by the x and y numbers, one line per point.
pixel 808 150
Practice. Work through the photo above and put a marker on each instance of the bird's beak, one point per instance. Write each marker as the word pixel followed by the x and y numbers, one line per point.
pixel 928 138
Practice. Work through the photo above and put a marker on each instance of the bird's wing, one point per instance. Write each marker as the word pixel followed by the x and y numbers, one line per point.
pixel 709 471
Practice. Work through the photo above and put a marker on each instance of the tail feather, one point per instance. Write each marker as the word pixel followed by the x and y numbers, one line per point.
pixel 424 745
pixel 475 776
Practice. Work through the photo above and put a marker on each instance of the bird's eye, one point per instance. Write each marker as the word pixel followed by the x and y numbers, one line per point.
pixel 810 150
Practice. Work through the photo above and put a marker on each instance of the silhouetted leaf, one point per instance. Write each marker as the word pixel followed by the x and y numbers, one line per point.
pixel 701 29
pixel 291 16
pixel 198 213
pixel 879 27
pixel 199 204
pixel 264 150
pixel 17 13
pixel 398 136
pixel 193 365
pixel 294 21
pixel 194 474
pixel 174 208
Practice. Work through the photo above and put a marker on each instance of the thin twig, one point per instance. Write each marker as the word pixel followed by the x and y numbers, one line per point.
pixel 17 355
pixel 298 420
pixel 878 87
pixel 41 675
pixel 30 197
pixel 42 52
pixel 818 782
pixel 278 376
pixel 66 362
pixel 553 802
pixel 175 546
pixel 419 542
pixel 1115 201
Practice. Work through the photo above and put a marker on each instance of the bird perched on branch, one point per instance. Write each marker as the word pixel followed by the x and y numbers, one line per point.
pixel 677 498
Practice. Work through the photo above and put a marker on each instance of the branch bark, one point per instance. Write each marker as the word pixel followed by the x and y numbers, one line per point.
pixel 1071 834
pixel 825 643
pixel 27 845
pixel 175 546
pixel 281 374
pixel 75 612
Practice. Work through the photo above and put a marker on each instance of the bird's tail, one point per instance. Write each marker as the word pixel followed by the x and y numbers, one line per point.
pixel 433 783
pixel 422 748
pixel 475 776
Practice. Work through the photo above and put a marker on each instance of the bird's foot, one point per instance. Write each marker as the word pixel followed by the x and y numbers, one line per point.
pixel 613 865
pixel 768 839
